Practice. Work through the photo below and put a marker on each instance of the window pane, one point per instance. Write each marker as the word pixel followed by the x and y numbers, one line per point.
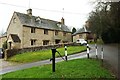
pixel 14 20
pixel 64 33
pixel 33 42
pixel 46 42
pixel 32 30
pixel 45 31
pixel 56 32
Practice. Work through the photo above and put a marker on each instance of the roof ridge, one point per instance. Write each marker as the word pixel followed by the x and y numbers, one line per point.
pixel 49 24
pixel 38 16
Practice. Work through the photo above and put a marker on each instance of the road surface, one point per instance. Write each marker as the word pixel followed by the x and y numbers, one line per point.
pixel 110 58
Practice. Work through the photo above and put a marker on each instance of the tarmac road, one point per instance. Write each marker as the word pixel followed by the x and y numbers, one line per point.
pixel 111 56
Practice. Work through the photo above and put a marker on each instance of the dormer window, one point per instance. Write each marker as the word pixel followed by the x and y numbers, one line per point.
pixel 14 20
pixel 59 25
pixel 38 19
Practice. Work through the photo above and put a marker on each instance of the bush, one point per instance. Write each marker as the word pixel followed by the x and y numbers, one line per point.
pixel 4 45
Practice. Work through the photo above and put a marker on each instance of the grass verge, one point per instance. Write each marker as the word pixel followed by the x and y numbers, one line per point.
pixel 99 41
pixel 78 68
pixel 44 54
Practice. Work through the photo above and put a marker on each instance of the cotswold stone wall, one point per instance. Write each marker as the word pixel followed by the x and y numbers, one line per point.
pixel 39 36
pixel 11 52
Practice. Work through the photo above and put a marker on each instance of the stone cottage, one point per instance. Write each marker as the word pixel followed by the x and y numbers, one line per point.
pixel 82 33
pixel 26 30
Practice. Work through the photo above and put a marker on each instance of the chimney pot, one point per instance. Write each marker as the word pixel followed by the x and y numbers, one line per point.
pixel 29 12
pixel 62 21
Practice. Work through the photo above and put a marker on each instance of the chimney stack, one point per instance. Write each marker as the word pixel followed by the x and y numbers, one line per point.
pixel 62 21
pixel 29 12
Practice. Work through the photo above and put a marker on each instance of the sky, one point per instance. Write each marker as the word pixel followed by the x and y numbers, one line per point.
pixel 75 12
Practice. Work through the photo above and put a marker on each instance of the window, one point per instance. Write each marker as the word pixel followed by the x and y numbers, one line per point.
pixel 64 33
pixel 45 31
pixel 65 41
pixel 32 30
pixel 59 25
pixel 57 41
pixel 80 36
pixel 56 32
pixel 33 42
pixel 14 20
pixel 38 19
pixel 45 42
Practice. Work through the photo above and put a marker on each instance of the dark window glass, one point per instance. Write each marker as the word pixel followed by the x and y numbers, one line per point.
pixel 33 42
pixel 45 31
pixel 46 42
pixel 56 32
pixel 32 30
pixel 64 33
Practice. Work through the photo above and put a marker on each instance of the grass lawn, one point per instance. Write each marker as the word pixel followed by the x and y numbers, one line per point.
pixel 44 54
pixel 78 68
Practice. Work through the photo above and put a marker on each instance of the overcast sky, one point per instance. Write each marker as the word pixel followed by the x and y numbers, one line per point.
pixel 75 12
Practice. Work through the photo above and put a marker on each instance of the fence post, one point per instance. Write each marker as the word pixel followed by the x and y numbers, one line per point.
pixel 88 51
pixel 96 50
pixel 102 56
pixel 53 59
pixel 66 53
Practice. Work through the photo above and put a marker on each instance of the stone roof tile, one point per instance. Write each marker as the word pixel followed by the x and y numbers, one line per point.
pixel 41 22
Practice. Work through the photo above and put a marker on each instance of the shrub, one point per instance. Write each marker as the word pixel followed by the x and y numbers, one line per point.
pixel 4 45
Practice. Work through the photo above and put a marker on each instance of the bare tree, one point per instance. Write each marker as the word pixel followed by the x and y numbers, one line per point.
pixel 2 32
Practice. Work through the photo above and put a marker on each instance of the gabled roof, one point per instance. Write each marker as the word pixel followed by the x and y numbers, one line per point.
pixel 15 38
pixel 81 30
pixel 32 21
